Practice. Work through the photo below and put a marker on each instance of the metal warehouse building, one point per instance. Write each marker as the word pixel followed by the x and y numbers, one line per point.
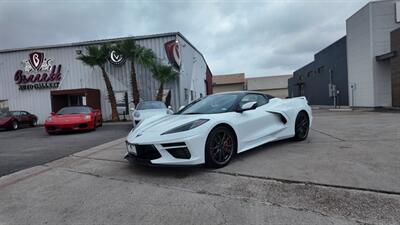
pixel 59 79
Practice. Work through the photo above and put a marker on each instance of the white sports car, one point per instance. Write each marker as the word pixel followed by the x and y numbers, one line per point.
pixel 212 129
pixel 148 109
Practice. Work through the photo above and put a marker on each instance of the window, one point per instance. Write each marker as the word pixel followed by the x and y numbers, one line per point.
pixel 15 113
pixel 3 105
pixel 219 103
pixel 260 99
pixel 321 69
pixel 186 94
pixel 151 105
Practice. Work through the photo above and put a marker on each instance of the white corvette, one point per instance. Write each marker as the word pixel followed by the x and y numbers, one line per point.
pixel 212 129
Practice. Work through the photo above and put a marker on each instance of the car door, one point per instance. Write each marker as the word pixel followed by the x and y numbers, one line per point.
pixel 256 126
pixel 25 118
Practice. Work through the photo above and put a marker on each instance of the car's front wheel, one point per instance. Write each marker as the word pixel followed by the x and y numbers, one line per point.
pixel 14 125
pixel 220 147
pixel 34 123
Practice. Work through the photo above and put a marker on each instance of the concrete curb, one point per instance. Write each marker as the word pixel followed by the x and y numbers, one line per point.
pixel 90 151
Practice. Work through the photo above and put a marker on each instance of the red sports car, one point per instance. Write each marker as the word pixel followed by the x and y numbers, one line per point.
pixel 74 118
pixel 13 120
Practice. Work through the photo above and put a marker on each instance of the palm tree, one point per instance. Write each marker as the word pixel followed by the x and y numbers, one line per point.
pixel 136 54
pixel 97 56
pixel 164 74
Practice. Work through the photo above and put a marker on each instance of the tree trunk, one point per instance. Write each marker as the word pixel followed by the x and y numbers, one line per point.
pixel 135 90
pixel 160 92
pixel 111 95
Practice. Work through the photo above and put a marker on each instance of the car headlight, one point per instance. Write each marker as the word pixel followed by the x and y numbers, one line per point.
pixel 49 118
pixel 186 126
pixel 136 114
pixel 87 117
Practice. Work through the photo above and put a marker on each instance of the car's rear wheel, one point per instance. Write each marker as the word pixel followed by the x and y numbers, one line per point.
pixel 14 125
pixel 220 147
pixel 33 123
pixel 302 126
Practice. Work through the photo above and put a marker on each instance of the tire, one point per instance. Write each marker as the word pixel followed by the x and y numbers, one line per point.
pixel 34 123
pixel 101 123
pixel 94 125
pixel 220 147
pixel 301 127
pixel 14 125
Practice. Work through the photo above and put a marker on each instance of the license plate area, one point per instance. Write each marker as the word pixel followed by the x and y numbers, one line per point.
pixel 131 148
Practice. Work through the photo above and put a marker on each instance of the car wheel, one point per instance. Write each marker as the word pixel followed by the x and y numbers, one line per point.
pixel 302 126
pixel 101 123
pixel 220 147
pixel 94 125
pixel 14 125
pixel 34 123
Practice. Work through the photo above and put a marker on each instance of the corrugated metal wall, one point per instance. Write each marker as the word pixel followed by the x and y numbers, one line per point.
pixel 76 75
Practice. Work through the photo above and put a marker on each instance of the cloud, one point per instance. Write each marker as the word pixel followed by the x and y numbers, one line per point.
pixel 255 37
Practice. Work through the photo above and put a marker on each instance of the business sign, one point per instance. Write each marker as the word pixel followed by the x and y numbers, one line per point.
pixel 173 53
pixel 116 58
pixel 38 73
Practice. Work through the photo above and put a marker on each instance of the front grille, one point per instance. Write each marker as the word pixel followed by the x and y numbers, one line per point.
pixel 83 125
pixel 51 128
pixel 147 152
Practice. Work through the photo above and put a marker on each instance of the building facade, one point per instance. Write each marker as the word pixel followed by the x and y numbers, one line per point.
pixel 273 85
pixel 369 52
pixel 39 78
pixel 323 81
pixel 228 82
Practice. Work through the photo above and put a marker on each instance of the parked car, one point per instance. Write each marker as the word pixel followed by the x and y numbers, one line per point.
pixel 73 118
pixel 147 109
pixel 212 129
pixel 16 119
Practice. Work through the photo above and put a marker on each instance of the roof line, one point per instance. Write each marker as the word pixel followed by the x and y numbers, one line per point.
pixel 100 41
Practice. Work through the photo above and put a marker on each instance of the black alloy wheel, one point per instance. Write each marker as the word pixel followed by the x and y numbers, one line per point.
pixel 220 147
pixel 34 123
pixel 302 126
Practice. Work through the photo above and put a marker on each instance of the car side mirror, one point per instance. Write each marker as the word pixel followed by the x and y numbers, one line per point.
pixel 248 106
pixel 180 108
pixel 53 113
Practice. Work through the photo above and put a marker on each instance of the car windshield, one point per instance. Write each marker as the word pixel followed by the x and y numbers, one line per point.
pixel 151 105
pixel 218 103
pixel 74 110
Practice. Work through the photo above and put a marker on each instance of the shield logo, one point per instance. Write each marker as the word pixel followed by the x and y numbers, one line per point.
pixel 36 59
pixel 173 53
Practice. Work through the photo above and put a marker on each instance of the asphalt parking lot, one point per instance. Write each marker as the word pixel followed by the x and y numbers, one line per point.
pixel 29 147
pixel 346 172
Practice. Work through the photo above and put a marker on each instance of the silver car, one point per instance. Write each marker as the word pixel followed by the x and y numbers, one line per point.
pixel 147 109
